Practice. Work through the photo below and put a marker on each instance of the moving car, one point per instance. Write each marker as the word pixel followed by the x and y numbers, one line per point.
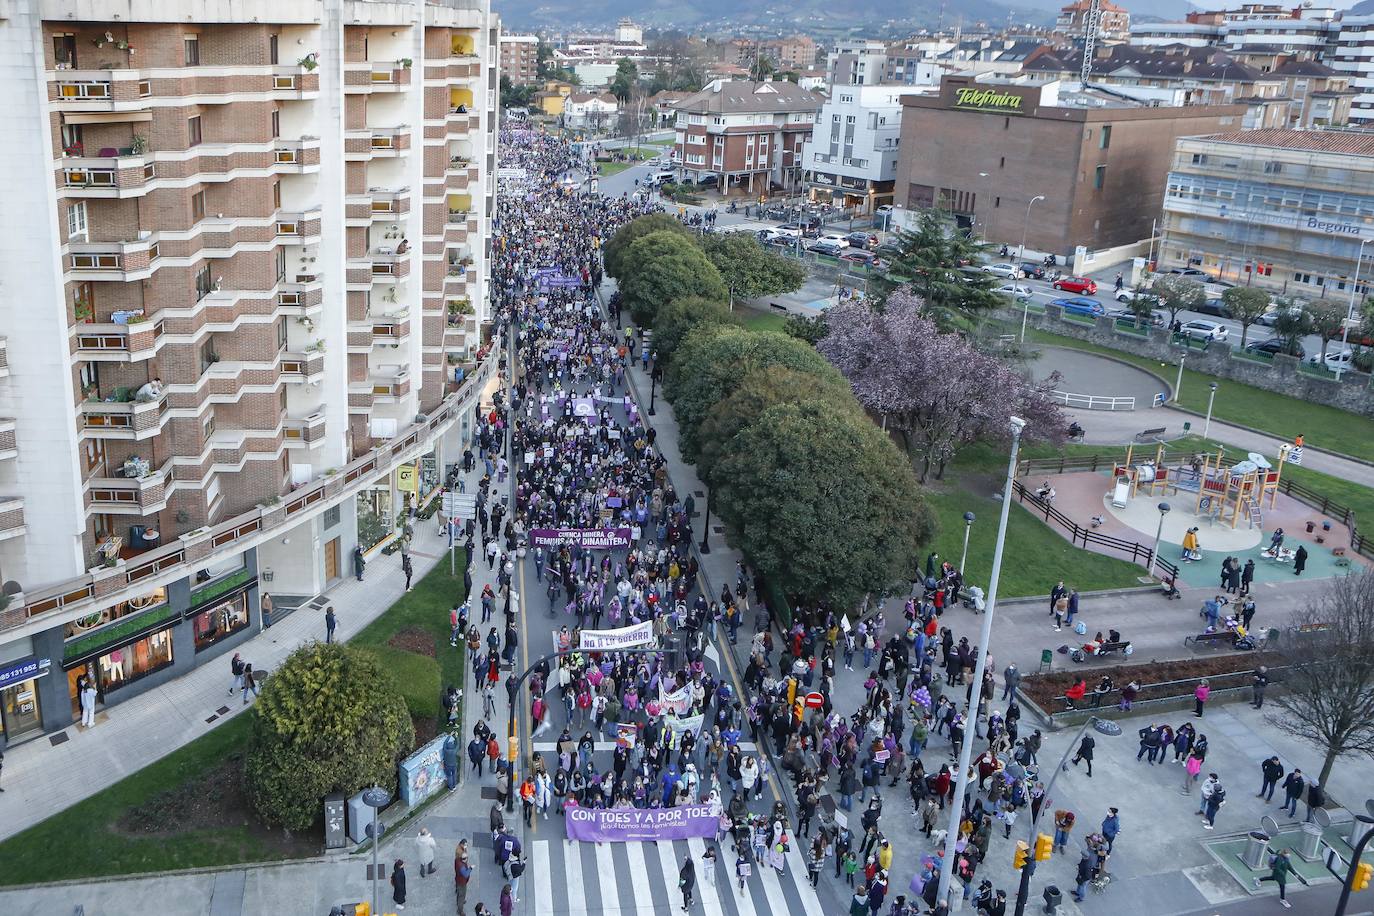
pixel 1214 307
pixel 858 256
pixel 1033 270
pixel 826 248
pixel 789 229
pixel 1273 346
pixel 1081 305
pixel 835 238
pixel 1015 290
pixel 1126 295
pixel 1081 285
pixel 1204 330
pixel 1155 319
pixel 1187 272
pixel 1335 359
pixel 1006 271
pixel 862 240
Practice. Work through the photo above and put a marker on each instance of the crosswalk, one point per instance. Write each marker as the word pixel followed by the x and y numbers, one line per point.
pixel 639 879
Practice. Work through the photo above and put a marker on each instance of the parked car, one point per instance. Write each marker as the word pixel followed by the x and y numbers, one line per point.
pixel 789 229
pixel 888 250
pixel 1084 286
pixel 1081 305
pixel 1204 330
pixel 1271 317
pixel 1155 320
pixel 1006 271
pixel 1126 295
pixel 826 248
pixel 858 256
pixel 1032 269
pixel 1335 359
pixel 1187 272
pixel 1215 307
pixel 1015 290
pixel 1273 346
pixel 862 240
pixel 835 238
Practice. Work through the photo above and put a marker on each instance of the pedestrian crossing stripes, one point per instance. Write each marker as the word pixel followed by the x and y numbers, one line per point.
pixel 639 879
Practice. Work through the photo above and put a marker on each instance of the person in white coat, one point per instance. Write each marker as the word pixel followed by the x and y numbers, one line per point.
pixel 88 705
pixel 424 845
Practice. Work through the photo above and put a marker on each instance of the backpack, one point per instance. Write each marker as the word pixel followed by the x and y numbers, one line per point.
pixel 1218 794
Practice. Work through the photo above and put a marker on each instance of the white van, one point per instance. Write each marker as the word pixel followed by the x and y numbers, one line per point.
pixel 661 177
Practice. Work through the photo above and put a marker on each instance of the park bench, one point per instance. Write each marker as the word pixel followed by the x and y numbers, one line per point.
pixel 1107 647
pixel 1146 435
pixel 780 308
pixel 1211 640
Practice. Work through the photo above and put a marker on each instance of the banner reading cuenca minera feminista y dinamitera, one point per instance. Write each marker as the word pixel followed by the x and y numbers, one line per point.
pixel 591 538
pixel 637 825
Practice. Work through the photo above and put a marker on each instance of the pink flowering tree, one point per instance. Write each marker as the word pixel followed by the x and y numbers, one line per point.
pixel 934 389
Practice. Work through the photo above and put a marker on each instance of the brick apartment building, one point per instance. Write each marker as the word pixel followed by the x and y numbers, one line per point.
pixel 982 151
pixel 254 242
pixel 747 135
pixel 520 59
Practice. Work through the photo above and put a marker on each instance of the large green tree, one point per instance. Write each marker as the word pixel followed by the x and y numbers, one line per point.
pixel 636 229
pixel 1327 318
pixel 1178 294
pixel 663 266
pixel 711 361
pixel 750 270
pixel 330 719
pixel 937 259
pixel 1247 305
pixel 626 75
pixel 678 318
pixel 822 502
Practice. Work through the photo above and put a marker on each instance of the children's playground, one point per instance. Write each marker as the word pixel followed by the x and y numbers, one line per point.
pixel 1219 504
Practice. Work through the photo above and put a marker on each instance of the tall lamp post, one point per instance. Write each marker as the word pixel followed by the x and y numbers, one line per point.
pixel 1350 310
pixel 1025 224
pixel 1207 424
pixel 705 545
pixel 1178 385
pixel 376 798
pixel 653 387
pixel 968 526
pixel 956 810
pixel 1159 533
pixel 1102 727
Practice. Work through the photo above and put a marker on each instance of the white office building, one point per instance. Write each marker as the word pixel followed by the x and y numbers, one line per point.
pixel 851 158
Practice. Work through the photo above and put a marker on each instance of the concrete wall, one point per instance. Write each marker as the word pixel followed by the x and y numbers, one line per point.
pixel 1283 376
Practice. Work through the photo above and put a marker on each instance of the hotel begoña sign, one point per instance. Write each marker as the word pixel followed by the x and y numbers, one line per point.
pixel 991 100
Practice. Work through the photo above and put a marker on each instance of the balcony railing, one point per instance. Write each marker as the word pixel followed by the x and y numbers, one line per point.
pixel 120 495
pixel 11 517
pixel 306 430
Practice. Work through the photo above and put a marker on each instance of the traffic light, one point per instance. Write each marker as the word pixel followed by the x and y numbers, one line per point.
pixel 1044 846
pixel 1363 872
pixel 1022 854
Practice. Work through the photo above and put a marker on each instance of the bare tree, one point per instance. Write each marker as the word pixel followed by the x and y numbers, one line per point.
pixel 1328 695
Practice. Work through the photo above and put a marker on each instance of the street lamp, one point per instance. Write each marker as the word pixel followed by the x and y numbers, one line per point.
pixel 956 810
pixel 1350 310
pixel 1178 385
pixel 653 387
pixel 1159 533
pixel 705 545
pixel 975 210
pixel 1102 727
pixel 375 798
pixel 968 526
pixel 1210 398
pixel 1024 225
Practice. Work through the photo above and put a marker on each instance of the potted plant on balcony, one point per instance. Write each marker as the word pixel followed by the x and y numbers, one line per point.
pixel 75 149
pixel 309 62
pixel 139 144
pixel 136 468
pixel 407 63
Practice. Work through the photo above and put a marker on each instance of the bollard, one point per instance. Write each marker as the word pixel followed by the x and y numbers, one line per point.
pixel 1256 846
pixel 1310 846
pixel 1052 899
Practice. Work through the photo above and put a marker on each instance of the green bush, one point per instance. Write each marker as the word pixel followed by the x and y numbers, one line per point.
pixel 661 267
pixel 330 719
pixel 619 243
pixel 677 318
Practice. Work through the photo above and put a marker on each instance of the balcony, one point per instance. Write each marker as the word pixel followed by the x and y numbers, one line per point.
pixel 460 120
pixel 390 141
pixel 294 82
pixel 120 174
pixel 4 358
pixel 300 299
pixel 298 228
pixel 307 432
pixel 296 157
pixel 388 390
pixel 119 343
pixel 389 204
pixel 117 261
pixel 387 266
pixel 390 333
pixel 376 76
pixel 124 496
pixel 11 517
pixel 9 445
pixel 302 368
pixel 128 420
pixel 119 91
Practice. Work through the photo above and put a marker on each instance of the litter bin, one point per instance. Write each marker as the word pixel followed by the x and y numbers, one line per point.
pixel 1256 846
pixel 1310 846
pixel 1052 899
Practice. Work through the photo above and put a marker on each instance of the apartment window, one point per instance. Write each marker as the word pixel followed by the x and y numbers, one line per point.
pixel 71 140
pixel 207 426
pixel 1273 168
pixel 273 53
pixel 281 394
pixel 1002 163
pixel 1006 123
pixel 1100 177
pixel 76 221
pixel 64 50
pixel 197 206
pixel 276 123
pixel 102 526
pixel 83 302
pixel 331 516
pixel 276 195
pixel 192 45
pixel 193 134
pixel 202 282
pixel 281 340
pixel 1199 158
pixel 281 264
pixel 1104 139
pixel 208 356
pixel 93 451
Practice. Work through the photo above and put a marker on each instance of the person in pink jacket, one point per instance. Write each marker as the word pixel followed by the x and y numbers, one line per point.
pixel 1200 697
pixel 1191 770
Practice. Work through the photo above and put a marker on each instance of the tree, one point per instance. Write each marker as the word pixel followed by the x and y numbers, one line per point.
pixel 1291 325
pixel 750 270
pixel 711 361
pixel 935 389
pixel 1328 688
pixel 663 266
pixel 820 500
pixel 636 229
pixel 678 318
pixel 762 69
pixel 933 259
pixel 1326 318
pixel 543 55
pixel 330 719
pixel 1247 305
pixel 1142 307
pixel 1178 294
pixel 810 328
pixel 626 75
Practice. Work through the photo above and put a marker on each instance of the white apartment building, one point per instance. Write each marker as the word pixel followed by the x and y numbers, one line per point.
pixel 856 62
pixel 1354 56
pixel 850 158
pixel 248 325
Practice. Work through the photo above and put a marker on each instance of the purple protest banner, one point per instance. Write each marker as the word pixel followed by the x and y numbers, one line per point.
pixel 637 825
pixel 591 538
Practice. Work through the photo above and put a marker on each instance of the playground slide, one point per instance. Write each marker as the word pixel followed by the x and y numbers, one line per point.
pixel 1121 493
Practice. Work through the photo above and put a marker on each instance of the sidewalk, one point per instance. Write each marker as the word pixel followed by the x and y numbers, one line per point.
pixel 42 778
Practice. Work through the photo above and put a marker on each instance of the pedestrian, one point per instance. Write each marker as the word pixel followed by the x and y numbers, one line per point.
pixel 1082 876
pixel 330 622
pixel 742 868
pixel 359 561
pixel 1316 799
pixel 858 905
pixel 1111 826
pixel 1085 752
pixel 1299 560
pixel 1192 768
pixel 708 868
pixel 1293 788
pixel 686 880
pixel 408 568
pixel 517 868
pixel 1257 684
pixel 250 682
pixel 462 875
pixel 507 902
pixel 1063 826
pixel 425 844
pixel 236 668
pixel 1072 606
pixel 1280 867
pixel 88 698
pixel 1200 695
pixel 1272 771
pixel 1011 679
pixel 1247 576
pixel 1061 607
pixel 1214 800
pixel 398 884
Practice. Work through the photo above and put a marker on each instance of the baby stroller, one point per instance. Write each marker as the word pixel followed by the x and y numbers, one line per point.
pixel 972 598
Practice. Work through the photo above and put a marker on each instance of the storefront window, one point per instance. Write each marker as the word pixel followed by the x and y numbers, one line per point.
pixel 375 521
pixel 133 661
pixel 215 624
pixel 19 710
pixel 84 625
pixel 429 473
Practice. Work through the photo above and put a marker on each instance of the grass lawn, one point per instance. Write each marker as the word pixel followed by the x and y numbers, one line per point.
pixel 1277 414
pixel 662 141
pixel 762 321
pixel 187 810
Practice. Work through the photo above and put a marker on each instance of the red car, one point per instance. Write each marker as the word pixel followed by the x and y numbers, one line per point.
pixel 1083 286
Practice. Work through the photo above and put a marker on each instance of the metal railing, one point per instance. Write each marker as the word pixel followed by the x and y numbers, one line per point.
pixel 1091 401
pixel 1081 536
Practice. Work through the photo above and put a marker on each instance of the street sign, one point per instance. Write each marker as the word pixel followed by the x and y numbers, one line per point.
pixel 814 700
pixel 459 505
